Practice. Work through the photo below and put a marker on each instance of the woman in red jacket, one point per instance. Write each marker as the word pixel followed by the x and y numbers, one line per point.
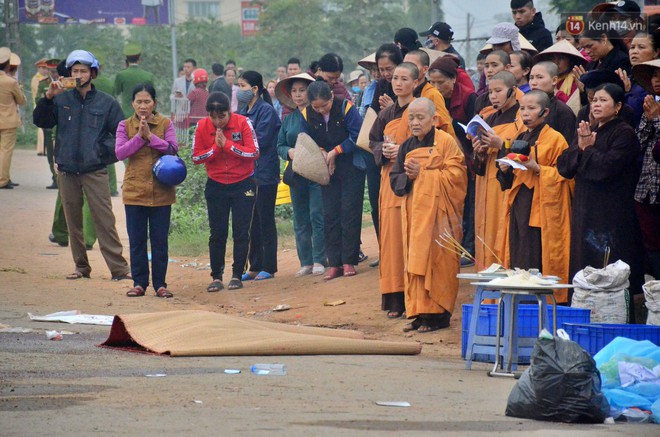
pixel 227 145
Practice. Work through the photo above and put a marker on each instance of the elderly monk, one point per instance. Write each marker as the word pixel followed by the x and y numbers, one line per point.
pixel 429 173
pixel 537 200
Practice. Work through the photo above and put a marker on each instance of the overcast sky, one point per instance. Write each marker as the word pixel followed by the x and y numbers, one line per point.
pixel 486 15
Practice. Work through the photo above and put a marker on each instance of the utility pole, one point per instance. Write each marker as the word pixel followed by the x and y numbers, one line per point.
pixel 11 25
pixel 468 43
pixel 175 68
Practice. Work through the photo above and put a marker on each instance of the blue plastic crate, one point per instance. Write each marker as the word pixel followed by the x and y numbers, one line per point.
pixel 528 324
pixel 594 337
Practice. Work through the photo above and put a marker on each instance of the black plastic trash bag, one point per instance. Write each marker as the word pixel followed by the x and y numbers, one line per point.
pixel 562 384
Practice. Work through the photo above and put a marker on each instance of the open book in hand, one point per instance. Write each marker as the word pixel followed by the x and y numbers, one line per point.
pixel 473 126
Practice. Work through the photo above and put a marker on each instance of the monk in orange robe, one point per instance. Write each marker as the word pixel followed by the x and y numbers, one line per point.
pixel 429 173
pixel 388 132
pixel 424 89
pixel 489 198
pixel 537 203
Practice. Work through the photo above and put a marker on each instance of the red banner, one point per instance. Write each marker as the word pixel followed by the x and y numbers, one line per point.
pixel 250 18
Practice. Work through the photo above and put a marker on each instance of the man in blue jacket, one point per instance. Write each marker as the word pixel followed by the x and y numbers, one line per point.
pixel 86 121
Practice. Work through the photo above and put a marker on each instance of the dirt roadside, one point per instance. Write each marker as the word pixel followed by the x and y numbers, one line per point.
pixel 73 387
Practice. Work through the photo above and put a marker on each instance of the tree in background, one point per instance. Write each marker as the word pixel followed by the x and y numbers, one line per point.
pixel 566 6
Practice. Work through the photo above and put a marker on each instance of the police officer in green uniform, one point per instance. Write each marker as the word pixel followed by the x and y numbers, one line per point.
pixel 126 80
pixel 51 64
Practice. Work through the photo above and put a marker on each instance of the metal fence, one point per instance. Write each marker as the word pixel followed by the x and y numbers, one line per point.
pixel 469 49
pixel 180 109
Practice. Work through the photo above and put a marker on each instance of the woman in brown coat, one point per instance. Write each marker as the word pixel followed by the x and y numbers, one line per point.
pixel 143 139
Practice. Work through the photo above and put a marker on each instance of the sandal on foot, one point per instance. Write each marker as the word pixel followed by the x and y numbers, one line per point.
pixel 234 284
pixel 249 276
pixel 394 314
pixel 164 292
pixel 349 270
pixel 77 275
pixel 263 276
pixel 413 326
pixel 122 277
pixel 333 272
pixel 136 291
pixel 214 286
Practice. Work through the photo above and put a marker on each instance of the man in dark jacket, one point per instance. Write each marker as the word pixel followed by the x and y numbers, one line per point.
pixel 531 24
pixel 86 121
pixel 220 83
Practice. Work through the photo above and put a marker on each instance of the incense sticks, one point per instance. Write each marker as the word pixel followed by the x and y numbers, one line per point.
pixel 606 259
pixel 491 251
pixel 452 245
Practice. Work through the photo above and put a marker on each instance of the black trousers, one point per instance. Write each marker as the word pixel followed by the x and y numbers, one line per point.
pixel 263 233
pixel 221 199
pixel 342 204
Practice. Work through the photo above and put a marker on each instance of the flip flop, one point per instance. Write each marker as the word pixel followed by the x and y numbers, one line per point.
pixel 215 285
pixel 247 276
pixel 164 292
pixel 234 284
pixel 136 291
pixel 262 276
pixel 76 275
pixel 332 273
pixel 349 270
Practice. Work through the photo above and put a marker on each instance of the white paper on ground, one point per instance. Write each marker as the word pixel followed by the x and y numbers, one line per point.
pixel 74 317
pixel 393 404
pixel 512 163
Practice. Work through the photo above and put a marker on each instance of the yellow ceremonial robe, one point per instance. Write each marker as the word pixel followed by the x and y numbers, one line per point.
pixel 551 207
pixel 434 204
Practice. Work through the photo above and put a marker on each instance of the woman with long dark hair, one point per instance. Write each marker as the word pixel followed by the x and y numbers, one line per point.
pixel 258 107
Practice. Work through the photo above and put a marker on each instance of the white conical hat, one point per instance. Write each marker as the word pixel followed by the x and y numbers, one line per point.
pixel 562 47
pixel 283 88
pixel 368 61
pixel 308 161
pixel 644 72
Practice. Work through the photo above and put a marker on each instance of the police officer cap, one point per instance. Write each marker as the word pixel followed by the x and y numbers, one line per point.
pixel 132 49
pixel 5 54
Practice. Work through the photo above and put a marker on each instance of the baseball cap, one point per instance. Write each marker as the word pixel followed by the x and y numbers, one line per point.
pixel 440 30
pixel 628 8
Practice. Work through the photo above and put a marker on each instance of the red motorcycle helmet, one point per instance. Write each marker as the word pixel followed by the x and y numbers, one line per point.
pixel 200 75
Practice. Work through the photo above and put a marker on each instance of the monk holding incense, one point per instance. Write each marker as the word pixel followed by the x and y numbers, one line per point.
pixel 537 201
pixel 506 125
pixel 429 173
pixel 389 131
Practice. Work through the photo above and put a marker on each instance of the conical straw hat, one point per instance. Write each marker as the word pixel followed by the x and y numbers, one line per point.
pixel 644 72
pixel 368 61
pixel 283 88
pixel 562 47
pixel 308 160
pixel 435 54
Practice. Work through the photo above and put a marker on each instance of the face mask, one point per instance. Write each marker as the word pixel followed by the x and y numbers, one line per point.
pixel 356 89
pixel 429 44
pixel 244 96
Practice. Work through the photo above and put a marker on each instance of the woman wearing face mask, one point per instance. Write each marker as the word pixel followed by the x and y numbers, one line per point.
pixel 306 197
pixel 334 125
pixel 255 103
pixel 141 140
pixel 602 162
pixel 225 144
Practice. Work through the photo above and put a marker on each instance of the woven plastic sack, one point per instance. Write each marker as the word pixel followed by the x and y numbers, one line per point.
pixel 604 292
pixel 562 384
pixel 652 297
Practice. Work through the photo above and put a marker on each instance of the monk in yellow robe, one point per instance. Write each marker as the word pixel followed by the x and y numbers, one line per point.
pixel 489 197
pixel 388 132
pixel 537 203
pixel 424 89
pixel 429 173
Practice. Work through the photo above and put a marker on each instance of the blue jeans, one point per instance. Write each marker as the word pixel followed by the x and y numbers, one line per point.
pixel 154 220
pixel 307 202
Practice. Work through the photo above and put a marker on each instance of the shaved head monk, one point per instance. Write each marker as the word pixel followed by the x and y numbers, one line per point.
pixel 429 173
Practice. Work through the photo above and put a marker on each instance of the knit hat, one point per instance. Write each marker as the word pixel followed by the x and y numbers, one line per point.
pixel 446 65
